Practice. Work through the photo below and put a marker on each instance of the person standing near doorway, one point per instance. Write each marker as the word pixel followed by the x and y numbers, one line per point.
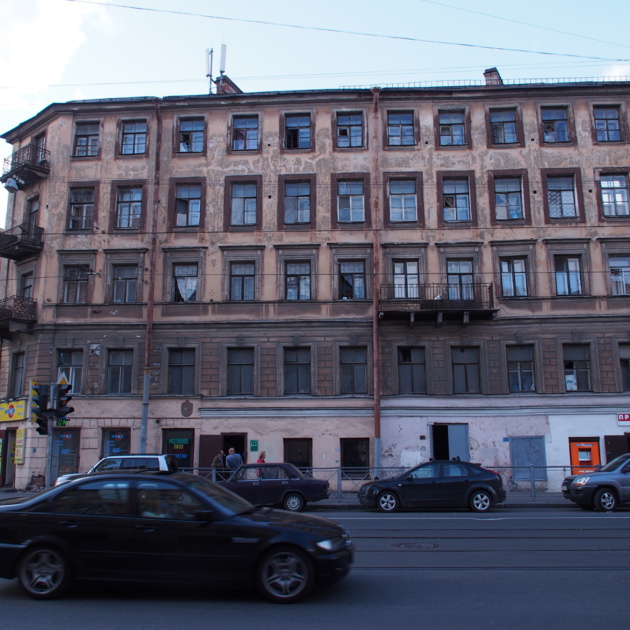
pixel 233 460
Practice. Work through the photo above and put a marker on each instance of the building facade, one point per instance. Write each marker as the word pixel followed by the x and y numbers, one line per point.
pixel 354 278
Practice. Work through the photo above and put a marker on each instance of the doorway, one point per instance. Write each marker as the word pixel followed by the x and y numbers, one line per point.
pixel 299 452
pixel 237 441
pixel 450 441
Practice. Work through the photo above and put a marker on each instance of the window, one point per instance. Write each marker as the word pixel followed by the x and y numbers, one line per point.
pixel 18 366
pixel 81 213
pixel 624 360
pixel 244 204
pixel 561 197
pixel 403 202
pixel 187 205
pixel 32 216
pixel 116 442
pixel 119 367
pixel 298 281
pixel 400 129
pixel 350 202
pixel 134 137
pixel 297 202
pixel 240 377
pixel 353 367
pixel 124 283
pixel 508 198
pixel 297 131
pixel 466 370
pixel 185 282
pixel 555 123
pixel 245 133
pixel 452 128
pixel 406 279
pixel 568 275
pixel 577 368
pixel 619 274
pixel 503 126
pixel 349 130
pixel 459 277
pixel 297 371
pixel 352 280
pixel 191 137
pixel 607 123
pixel 355 457
pixel 411 371
pixel 129 208
pixel 86 139
pixel 70 367
pixel 614 195
pixel 520 360
pixel 181 371
pixel 75 284
pixel 514 277
pixel 26 285
pixel 456 200
pixel 242 281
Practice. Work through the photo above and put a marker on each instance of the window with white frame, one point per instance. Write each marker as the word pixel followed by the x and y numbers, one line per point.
pixel 614 195
pixel 403 200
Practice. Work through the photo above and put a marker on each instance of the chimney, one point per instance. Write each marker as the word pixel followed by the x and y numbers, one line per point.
pixel 492 77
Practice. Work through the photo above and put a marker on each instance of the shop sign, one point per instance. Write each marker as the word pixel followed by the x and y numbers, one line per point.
pixel 253 445
pixel 623 418
pixel 15 410
pixel 20 437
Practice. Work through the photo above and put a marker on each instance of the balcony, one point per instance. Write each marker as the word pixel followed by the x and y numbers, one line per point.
pixel 438 301
pixel 21 241
pixel 17 314
pixel 29 164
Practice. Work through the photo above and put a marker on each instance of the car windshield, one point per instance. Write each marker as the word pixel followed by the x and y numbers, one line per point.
pixel 615 463
pixel 226 499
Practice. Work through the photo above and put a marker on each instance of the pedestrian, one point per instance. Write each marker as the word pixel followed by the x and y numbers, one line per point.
pixel 233 460
pixel 261 458
pixel 219 460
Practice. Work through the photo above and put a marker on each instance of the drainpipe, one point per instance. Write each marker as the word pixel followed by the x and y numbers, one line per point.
pixel 146 387
pixel 376 278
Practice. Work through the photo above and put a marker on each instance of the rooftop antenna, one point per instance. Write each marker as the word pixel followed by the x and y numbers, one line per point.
pixel 209 57
pixel 223 55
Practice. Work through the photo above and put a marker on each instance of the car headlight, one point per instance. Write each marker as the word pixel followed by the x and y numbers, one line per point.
pixel 335 544
pixel 581 481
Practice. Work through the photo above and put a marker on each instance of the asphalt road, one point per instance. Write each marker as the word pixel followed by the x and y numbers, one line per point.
pixel 539 569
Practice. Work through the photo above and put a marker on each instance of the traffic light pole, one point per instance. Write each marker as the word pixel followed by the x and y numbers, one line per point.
pixel 50 420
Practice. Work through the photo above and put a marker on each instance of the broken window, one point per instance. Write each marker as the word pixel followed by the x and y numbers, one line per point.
pixel 297 128
pixel 191 135
pixel 349 130
pixel 245 133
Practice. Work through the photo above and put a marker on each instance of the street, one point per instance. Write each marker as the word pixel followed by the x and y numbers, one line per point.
pixel 509 569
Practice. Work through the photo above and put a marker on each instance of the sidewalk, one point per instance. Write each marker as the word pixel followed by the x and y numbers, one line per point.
pixel 350 501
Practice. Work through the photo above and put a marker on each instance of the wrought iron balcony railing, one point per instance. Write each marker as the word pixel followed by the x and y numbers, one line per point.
pixel 30 164
pixel 438 296
pixel 18 309
pixel 21 241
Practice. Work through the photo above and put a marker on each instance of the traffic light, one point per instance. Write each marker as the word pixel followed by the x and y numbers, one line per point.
pixel 62 408
pixel 39 405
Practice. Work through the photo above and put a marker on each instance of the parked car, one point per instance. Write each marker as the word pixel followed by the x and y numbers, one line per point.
pixel 276 484
pixel 603 489
pixel 436 484
pixel 125 463
pixel 165 527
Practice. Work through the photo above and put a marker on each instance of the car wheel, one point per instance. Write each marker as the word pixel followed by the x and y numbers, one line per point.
pixel 285 575
pixel 387 502
pixel 480 501
pixel 605 500
pixel 294 502
pixel 44 573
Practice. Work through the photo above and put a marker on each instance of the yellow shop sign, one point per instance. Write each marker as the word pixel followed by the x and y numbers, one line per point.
pixel 15 410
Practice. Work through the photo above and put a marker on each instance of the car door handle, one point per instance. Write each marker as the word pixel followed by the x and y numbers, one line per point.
pixel 145 528
pixel 69 524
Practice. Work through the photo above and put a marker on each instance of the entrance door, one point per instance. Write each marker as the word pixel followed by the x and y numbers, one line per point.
pixel 299 452
pixel 616 445
pixel 450 441
pixel 237 441
pixel 209 447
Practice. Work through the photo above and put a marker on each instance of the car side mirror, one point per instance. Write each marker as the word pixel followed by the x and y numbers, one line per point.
pixel 410 478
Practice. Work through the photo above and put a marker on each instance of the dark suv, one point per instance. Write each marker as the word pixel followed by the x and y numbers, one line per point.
pixel 126 463
pixel 603 489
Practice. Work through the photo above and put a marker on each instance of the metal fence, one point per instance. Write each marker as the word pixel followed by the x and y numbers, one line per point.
pixel 347 481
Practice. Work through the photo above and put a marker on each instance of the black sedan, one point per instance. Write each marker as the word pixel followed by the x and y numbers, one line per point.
pixel 276 484
pixel 436 484
pixel 165 528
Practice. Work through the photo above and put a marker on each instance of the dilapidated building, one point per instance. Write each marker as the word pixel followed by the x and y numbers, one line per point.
pixel 351 277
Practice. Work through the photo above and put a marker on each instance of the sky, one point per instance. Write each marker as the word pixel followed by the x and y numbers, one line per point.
pixel 54 51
